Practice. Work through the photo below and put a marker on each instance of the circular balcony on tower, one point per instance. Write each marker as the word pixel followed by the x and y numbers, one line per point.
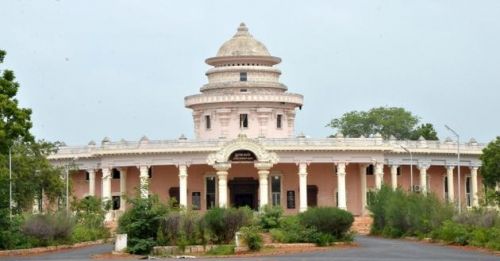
pixel 202 99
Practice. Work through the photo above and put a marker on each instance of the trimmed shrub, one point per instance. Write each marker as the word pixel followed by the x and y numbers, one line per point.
pixel 47 229
pixel 398 213
pixel 452 232
pixel 221 250
pixel 252 237
pixel 140 222
pixel 181 228
pixel 270 216
pixel 328 220
pixel 292 231
pixel 89 215
pixel 223 223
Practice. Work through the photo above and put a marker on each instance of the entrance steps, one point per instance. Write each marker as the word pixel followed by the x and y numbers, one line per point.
pixel 362 225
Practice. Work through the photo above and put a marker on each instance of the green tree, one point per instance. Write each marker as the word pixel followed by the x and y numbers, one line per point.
pixel 32 172
pixel 424 130
pixel 15 122
pixel 388 121
pixel 490 170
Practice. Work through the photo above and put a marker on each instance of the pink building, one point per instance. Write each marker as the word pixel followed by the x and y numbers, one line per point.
pixel 246 153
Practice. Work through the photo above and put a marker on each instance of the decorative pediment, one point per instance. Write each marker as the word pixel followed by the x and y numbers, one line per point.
pixel 242 144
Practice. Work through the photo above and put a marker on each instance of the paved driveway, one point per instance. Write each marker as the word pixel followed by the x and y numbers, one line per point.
pixel 370 249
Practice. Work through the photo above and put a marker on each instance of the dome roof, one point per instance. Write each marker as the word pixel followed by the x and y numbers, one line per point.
pixel 242 44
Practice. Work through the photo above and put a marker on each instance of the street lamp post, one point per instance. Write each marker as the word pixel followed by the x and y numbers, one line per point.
pixel 458 165
pixel 411 166
pixel 67 189
pixel 10 181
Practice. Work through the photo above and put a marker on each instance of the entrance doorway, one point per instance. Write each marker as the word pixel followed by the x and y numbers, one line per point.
pixel 243 192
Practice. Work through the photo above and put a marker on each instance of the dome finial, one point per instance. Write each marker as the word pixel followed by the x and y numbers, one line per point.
pixel 242 27
pixel 242 30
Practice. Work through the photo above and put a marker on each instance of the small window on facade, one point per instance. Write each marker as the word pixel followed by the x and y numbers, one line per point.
pixel 290 199
pixel 276 190
pixel 174 194
pixel 244 120
pixel 116 174
pixel 243 76
pixel 87 176
pixel 115 202
pixel 150 172
pixel 208 124
pixel 210 192
pixel 399 171
pixel 196 200
pixel 279 120
pixel 468 189
pixel 369 170
pixel 243 90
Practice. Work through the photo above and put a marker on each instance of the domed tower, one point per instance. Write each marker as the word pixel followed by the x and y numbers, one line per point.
pixel 243 94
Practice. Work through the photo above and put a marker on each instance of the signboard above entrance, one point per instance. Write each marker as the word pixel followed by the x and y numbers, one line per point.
pixel 242 156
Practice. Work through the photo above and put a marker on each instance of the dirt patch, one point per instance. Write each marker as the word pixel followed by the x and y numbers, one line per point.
pixel 274 251
pixel 107 256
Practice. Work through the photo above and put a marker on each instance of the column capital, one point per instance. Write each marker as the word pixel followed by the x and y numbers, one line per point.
pixel 474 168
pixel 379 168
pixel 450 167
pixel 143 166
pixel 183 170
pixel 341 167
pixel 259 165
pixel 302 168
pixel 222 166
pixel 423 165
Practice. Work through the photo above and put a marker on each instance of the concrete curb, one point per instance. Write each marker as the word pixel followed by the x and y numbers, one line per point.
pixel 40 250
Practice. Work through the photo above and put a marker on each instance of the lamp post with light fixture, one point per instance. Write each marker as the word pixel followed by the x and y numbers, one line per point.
pixel 458 165
pixel 411 166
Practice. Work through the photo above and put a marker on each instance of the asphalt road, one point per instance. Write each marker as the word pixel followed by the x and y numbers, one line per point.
pixel 370 249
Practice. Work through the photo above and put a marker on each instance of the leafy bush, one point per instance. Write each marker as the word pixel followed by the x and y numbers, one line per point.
pixel 221 250
pixel 223 223
pixel 181 228
pixel 252 237
pixel 292 231
pixel 140 222
pixel 270 216
pixel 479 217
pixel 397 213
pixel 89 214
pixel 327 220
pixel 453 233
pixel 47 229
pixel 11 235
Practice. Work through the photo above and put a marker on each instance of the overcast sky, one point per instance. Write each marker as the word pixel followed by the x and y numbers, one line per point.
pixel 91 69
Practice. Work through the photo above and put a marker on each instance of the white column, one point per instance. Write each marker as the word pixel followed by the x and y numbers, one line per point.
pixel 449 175
pixel 222 172
pixel 183 174
pixel 362 178
pixel 106 191
pixel 263 188
pixel 263 171
pixel 91 182
pixel 475 199
pixel 341 185
pixel 423 177
pixel 379 175
pixel 144 180
pixel 394 176
pixel 302 186
pixel 123 187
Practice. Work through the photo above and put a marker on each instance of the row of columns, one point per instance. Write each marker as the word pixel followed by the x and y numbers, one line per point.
pixel 263 173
